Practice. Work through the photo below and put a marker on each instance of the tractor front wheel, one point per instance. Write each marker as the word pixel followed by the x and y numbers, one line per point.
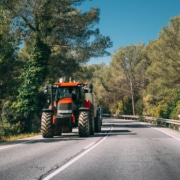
pixel 46 125
pixel 83 124
pixel 91 121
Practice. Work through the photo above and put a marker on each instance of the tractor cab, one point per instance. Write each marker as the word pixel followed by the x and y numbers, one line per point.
pixel 72 104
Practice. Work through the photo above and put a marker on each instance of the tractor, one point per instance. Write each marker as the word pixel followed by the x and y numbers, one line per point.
pixel 72 104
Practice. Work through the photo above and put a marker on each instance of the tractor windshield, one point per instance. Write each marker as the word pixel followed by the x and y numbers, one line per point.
pixel 66 92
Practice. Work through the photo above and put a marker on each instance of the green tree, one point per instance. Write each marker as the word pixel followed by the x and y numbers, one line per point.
pixel 125 67
pixel 103 86
pixel 33 75
pixel 163 72
pixel 9 72
pixel 8 53
pixel 47 26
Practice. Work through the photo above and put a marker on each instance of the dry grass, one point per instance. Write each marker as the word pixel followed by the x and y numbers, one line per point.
pixel 20 136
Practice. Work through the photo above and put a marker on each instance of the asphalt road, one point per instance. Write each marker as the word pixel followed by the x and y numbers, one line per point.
pixel 124 150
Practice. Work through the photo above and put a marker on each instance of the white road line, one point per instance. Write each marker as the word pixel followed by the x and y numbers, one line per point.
pixel 24 141
pixel 167 134
pixel 91 146
pixel 13 145
pixel 161 130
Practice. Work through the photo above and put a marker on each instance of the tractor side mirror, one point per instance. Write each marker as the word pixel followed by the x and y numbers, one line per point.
pixel 45 89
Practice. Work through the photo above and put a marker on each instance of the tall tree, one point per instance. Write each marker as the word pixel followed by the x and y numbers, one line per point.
pixel 163 73
pixel 124 67
pixel 46 26
pixel 9 71
pixel 8 53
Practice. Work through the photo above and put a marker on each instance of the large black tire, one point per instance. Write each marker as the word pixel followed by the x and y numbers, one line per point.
pixel 97 123
pixel 91 120
pixel 46 125
pixel 83 124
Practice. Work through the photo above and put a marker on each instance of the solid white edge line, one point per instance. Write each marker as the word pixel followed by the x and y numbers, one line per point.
pixel 163 132
pixel 24 141
pixel 14 145
pixel 167 134
pixel 76 158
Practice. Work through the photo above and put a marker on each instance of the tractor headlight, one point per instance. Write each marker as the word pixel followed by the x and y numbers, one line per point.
pixel 64 111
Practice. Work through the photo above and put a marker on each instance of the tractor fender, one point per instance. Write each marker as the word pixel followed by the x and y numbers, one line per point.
pixel 84 109
pixel 47 110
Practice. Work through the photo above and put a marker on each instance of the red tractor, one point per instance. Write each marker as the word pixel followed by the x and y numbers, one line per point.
pixel 72 104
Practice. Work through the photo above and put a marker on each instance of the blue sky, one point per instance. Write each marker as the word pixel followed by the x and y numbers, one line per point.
pixel 131 21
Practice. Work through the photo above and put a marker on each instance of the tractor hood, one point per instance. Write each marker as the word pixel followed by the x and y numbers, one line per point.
pixel 65 105
pixel 65 101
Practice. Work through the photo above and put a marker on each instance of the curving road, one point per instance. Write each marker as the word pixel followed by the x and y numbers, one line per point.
pixel 124 150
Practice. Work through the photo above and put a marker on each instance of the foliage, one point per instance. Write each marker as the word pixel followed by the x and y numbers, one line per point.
pixel 126 71
pixel 163 72
pixel 149 73
pixel 8 53
pixel 57 39
pixel 34 72
pixel 9 69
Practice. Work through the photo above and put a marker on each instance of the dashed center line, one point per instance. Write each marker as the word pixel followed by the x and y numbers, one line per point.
pixel 86 150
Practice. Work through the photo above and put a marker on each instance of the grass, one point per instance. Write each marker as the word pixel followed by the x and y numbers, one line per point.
pixel 16 137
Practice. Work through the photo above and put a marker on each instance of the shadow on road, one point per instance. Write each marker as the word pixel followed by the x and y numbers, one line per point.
pixel 113 133
pixel 75 137
pixel 126 125
pixel 39 139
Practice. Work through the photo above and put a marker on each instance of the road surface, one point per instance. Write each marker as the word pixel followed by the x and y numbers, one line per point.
pixel 124 150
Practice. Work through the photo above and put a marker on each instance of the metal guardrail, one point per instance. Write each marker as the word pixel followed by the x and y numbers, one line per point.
pixel 170 123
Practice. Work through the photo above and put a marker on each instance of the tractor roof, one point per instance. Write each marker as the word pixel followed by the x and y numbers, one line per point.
pixel 67 84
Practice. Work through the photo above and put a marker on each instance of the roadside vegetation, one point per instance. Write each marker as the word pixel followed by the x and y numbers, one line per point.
pixel 41 41
pixel 13 138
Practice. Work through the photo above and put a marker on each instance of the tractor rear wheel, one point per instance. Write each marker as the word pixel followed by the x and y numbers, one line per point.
pixel 91 119
pixel 97 123
pixel 46 125
pixel 83 124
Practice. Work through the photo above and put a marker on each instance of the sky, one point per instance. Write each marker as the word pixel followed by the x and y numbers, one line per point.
pixel 129 22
